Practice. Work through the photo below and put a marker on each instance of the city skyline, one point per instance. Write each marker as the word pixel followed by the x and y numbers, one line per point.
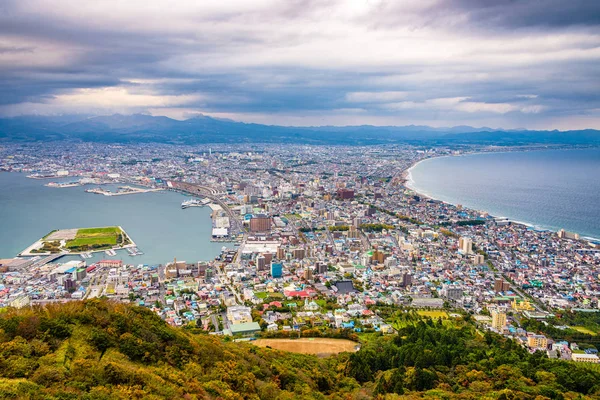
pixel 510 65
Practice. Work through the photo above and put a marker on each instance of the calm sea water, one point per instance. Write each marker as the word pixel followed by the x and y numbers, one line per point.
pixel 155 221
pixel 550 189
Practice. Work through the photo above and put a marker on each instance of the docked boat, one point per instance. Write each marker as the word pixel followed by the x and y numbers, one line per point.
pixel 134 251
pixel 191 203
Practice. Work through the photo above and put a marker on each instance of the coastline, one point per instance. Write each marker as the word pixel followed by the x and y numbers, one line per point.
pixel 409 183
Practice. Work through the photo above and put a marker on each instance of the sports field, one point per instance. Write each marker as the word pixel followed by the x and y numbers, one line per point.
pixel 585 330
pixel 433 314
pixel 321 346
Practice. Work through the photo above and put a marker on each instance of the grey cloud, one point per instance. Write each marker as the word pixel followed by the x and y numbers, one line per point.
pixel 101 56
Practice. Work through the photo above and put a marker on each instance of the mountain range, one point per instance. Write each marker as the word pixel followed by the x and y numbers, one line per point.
pixel 143 128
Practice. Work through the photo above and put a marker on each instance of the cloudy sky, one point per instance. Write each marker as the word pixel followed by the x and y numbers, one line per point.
pixel 500 63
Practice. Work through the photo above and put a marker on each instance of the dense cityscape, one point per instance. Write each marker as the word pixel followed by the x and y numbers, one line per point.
pixel 325 239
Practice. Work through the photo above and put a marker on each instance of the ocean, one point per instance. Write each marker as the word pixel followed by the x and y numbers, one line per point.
pixel 548 189
pixel 155 221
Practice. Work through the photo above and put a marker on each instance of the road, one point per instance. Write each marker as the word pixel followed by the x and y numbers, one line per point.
pixel 365 240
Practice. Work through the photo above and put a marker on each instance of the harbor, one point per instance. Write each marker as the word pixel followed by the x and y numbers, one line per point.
pixel 150 220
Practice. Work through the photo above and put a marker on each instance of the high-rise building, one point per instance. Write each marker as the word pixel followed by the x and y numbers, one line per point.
pixel 406 279
pixel 260 223
pixel 70 285
pixel 308 274
pixel 478 259
pixel 276 270
pixel 465 245
pixel 268 257
pixel 498 285
pixel 353 233
pixel 498 319
pixel 321 268
pixel 261 263
pixel 298 254
pixel 280 253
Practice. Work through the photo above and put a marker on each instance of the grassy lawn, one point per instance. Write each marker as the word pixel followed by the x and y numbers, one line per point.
pixel 98 232
pixel 261 295
pixel 433 314
pixel 97 238
pixel 103 240
pixel 585 330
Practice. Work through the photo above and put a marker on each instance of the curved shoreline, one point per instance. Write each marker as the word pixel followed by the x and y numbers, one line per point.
pixel 408 182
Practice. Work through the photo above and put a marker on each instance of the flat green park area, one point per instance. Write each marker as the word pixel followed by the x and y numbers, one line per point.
pixel 96 238
pixel 82 240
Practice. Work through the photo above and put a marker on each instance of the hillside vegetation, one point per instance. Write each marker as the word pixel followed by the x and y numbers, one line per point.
pixel 98 349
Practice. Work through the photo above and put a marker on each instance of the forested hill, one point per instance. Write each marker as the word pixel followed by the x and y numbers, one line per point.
pixel 103 350
pixel 141 128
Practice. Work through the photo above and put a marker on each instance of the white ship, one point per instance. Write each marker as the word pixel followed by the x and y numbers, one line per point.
pixel 192 203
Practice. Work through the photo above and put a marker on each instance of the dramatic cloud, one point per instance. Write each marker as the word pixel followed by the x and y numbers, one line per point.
pixel 506 63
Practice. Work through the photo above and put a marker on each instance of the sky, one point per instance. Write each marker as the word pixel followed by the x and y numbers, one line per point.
pixel 503 63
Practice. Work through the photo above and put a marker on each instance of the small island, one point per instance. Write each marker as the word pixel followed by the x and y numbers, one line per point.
pixel 80 240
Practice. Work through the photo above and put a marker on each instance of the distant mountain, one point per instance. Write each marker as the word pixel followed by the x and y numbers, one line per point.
pixel 202 129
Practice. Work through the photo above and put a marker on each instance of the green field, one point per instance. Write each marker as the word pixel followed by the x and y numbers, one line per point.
pixel 96 238
pixel 585 330
pixel 433 314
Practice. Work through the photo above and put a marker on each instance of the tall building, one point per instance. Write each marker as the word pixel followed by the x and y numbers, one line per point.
pixel 465 245
pixel 268 257
pixel 353 233
pixel 308 274
pixel 406 279
pixel 261 263
pixel 260 223
pixel 478 259
pixel 498 285
pixel 280 253
pixel 298 254
pixel 276 270
pixel 321 268
pixel 498 319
